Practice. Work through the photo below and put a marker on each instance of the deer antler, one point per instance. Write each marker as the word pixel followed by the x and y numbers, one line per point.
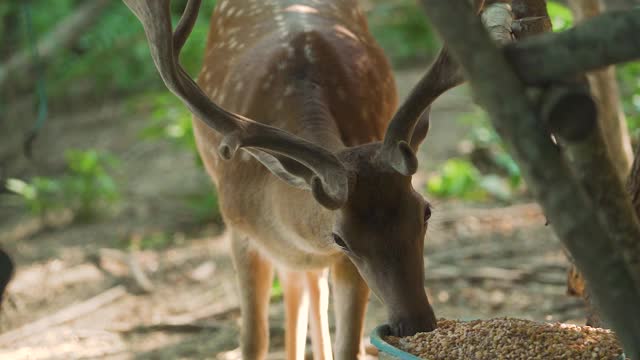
pixel 399 145
pixel 329 177
pixel 443 75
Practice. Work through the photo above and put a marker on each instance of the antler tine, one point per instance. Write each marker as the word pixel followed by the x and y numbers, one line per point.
pixel 442 75
pixel 185 26
pixel 329 181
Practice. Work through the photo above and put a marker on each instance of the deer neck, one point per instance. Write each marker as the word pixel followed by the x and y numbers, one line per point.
pixel 313 117
pixel 310 117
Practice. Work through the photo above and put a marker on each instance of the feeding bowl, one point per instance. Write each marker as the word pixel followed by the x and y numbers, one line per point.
pixel 388 351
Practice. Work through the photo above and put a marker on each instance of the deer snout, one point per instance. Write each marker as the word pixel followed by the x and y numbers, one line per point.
pixel 414 321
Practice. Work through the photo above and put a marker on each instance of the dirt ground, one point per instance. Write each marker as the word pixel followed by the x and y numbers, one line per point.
pixel 75 293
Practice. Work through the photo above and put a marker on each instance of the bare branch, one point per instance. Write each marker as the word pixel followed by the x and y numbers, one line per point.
pixel 573 214
pixel 601 41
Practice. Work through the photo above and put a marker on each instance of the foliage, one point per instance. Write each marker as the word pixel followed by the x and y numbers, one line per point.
pixel 499 177
pixel 483 136
pixel 629 79
pixel 628 74
pixel 171 120
pixel 457 178
pixel 402 31
pixel 561 16
pixel 40 195
pixel 86 188
pixel 204 206
pixel 112 54
pixel 276 288
pixel 155 240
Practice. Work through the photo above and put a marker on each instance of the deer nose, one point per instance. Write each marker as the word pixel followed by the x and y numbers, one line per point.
pixel 414 323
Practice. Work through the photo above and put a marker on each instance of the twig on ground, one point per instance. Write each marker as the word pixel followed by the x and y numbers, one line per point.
pixel 175 327
pixel 67 314
pixel 107 258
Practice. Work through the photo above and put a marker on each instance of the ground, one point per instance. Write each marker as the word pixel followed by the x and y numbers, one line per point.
pixel 74 295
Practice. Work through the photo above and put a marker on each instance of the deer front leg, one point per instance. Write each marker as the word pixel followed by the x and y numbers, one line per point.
pixel 318 286
pixel 350 303
pixel 296 304
pixel 254 274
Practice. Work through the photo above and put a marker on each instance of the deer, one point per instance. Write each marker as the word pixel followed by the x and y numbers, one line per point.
pixel 295 121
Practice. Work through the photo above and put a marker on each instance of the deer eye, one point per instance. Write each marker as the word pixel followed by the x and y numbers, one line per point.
pixel 338 240
pixel 427 213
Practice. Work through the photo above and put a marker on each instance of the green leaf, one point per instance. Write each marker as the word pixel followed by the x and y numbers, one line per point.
pixel 561 16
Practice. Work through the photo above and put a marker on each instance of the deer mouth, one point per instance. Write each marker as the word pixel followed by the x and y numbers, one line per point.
pixel 413 324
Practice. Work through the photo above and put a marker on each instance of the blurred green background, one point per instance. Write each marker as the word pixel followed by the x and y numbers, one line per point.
pixel 110 60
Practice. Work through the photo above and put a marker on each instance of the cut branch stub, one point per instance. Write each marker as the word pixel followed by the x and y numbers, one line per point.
pixel 532 17
pixel 569 112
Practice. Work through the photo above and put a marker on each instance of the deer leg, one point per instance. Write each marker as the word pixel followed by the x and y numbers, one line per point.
pixel 318 286
pixel 296 303
pixel 254 274
pixel 350 303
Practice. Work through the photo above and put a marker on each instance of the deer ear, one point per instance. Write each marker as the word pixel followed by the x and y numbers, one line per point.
pixel 421 130
pixel 299 176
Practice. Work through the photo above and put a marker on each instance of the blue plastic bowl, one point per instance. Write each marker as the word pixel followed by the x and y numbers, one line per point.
pixel 390 352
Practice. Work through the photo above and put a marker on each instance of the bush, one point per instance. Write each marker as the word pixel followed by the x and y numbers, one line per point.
pixel 171 120
pixel 402 30
pixel 113 54
pixel 86 188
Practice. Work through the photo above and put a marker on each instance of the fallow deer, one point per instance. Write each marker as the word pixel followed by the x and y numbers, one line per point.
pixel 323 180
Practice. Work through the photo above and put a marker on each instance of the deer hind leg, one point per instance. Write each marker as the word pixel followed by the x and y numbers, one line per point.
pixel 296 303
pixel 351 294
pixel 318 286
pixel 254 274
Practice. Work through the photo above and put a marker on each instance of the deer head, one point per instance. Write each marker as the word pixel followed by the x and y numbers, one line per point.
pixel 378 220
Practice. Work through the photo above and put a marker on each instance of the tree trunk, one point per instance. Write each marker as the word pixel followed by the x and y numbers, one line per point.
pixel 613 125
pixel 633 183
pixel 604 87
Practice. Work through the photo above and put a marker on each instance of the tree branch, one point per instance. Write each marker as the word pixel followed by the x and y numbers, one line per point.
pixel 604 40
pixel 573 215
pixel 604 87
pixel 66 33
pixel 633 183
pixel 536 12
pixel 597 172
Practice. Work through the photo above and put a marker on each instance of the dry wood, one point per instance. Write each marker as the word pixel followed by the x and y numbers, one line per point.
pixel 493 250
pixel 130 265
pixel 41 276
pixel 181 327
pixel 448 273
pixel 69 313
pixel 529 210
pixel 483 273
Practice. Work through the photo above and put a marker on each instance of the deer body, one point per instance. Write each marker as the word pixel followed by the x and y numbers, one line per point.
pixel 324 178
pixel 312 69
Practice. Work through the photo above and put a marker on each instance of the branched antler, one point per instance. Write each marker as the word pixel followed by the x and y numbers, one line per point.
pixel 328 177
